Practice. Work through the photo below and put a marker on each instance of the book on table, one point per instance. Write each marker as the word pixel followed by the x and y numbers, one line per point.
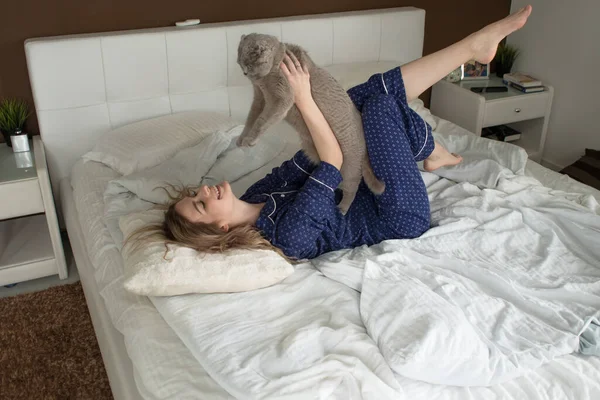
pixel 532 89
pixel 503 133
pixel 522 79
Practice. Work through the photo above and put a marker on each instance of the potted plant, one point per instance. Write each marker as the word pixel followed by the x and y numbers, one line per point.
pixel 505 58
pixel 13 114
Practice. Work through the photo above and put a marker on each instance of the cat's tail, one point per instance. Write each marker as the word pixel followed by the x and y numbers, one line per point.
pixel 375 185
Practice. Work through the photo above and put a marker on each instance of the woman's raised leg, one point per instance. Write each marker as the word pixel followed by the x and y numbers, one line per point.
pixel 417 76
pixel 481 46
pixel 421 74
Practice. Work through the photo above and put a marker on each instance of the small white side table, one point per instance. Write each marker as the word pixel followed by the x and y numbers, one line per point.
pixel 30 241
pixel 526 112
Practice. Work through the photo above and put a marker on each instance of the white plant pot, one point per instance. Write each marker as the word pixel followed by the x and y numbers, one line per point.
pixel 20 143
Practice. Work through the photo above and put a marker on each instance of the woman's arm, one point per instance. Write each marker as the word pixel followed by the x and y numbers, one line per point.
pixel 320 131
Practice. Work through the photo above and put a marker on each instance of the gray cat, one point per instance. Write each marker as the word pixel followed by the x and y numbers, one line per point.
pixel 260 56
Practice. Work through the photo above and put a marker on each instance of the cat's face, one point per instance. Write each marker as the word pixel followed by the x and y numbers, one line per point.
pixel 256 53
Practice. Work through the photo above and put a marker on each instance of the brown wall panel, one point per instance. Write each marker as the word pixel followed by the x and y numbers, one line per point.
pixel 446 22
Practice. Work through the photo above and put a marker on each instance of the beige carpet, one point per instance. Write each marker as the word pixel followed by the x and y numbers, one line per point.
pixel 48 349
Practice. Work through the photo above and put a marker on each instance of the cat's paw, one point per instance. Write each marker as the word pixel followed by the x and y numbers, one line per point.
pixel 343 207
pixel 346 202
pixel 246 141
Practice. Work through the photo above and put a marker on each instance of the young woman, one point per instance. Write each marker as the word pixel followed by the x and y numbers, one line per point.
pixel 293 209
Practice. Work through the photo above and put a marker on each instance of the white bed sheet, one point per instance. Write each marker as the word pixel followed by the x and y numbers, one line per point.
pixel 164 368
pixel 546 176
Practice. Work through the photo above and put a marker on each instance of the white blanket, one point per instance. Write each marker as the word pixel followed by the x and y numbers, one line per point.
pixel 503 282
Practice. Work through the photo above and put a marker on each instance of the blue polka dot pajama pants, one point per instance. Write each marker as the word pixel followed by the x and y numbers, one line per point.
pixel 397 138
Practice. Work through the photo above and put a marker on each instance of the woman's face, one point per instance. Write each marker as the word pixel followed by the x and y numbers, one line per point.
pixel 209 205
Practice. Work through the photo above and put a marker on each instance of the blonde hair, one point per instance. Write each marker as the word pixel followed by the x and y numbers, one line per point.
pixel 176 229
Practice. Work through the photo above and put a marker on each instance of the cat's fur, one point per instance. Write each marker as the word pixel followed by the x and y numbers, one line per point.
pixel 260 57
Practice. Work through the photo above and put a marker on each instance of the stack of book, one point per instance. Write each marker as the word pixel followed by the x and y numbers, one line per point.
pixel 522 82
pixel 503 133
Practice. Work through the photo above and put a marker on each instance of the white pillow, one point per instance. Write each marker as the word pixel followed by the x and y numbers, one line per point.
pixel 147 143
pixel 350 75
pixel 149 272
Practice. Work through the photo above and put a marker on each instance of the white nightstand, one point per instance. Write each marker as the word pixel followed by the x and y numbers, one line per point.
pixel 30 242
pixel 526 112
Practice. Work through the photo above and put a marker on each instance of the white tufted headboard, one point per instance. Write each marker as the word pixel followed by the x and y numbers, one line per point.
pixel 86 85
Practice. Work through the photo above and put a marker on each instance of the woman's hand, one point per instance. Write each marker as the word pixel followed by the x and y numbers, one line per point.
pixel 323 138
pixel 298 77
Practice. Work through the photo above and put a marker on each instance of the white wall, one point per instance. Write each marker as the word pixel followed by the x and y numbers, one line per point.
pixel 561 46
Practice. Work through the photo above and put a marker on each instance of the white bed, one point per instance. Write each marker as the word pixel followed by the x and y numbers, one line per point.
pixel 161 357
pixel 85 85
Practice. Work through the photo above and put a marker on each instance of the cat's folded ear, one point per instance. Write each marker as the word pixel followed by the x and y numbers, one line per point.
pixel 243 36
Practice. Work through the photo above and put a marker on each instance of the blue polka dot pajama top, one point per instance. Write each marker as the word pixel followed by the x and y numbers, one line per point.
pixel 300 215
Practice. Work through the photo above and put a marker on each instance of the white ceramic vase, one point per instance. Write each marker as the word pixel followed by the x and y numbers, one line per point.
pixel 20 141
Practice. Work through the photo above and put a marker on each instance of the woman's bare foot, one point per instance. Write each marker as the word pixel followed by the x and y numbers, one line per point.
pixel 484 42
pixel 440 157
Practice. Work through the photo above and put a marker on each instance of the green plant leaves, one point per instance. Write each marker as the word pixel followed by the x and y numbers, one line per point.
pixel 13 114
pixel 506 55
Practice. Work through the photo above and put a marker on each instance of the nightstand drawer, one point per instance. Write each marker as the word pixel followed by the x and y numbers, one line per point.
pixel 19 198
pixel 515 109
